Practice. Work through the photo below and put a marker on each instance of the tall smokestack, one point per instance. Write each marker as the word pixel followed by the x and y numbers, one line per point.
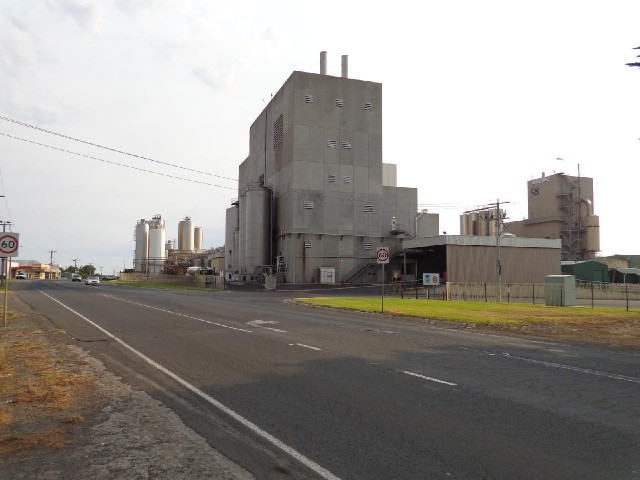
pixel 345 66
pixel 323 63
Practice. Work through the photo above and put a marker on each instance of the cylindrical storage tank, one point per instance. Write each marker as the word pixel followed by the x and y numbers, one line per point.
pixel 156 249
pixel 156 243
pixel 483 224
pixel 142 246
pixel 473 224
pixel 242 235
pixel 169 245
pixel 464 224
pixel 591 226
pixel 492 229
pixel 257 227
pixel 197 238
pixel 185 235
pixel 236 249
pixel 231 226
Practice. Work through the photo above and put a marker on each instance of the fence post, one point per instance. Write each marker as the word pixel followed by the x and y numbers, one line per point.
pixel 626 289
pixel 534 293
pixel 402 291
pixel 485 292
pixel 508 293
pixel 592 294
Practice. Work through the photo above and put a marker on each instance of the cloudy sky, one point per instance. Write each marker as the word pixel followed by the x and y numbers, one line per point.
pixel 478 98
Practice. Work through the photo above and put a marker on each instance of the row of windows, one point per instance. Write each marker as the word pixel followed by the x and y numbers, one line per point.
pixel 339 102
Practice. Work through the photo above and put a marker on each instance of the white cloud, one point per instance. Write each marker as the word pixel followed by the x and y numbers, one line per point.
pixel 87 14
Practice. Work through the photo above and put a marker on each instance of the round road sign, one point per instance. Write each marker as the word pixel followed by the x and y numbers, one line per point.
pixel 8 244
pixel 382 254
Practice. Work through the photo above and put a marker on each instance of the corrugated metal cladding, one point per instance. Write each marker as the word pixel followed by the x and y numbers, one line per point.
pixel 477 264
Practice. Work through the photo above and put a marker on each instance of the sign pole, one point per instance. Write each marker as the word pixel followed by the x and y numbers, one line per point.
pixel 6 288
pixel 382 288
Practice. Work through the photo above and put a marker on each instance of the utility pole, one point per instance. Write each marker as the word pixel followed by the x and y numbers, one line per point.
pixel 51 252
pixel 75 264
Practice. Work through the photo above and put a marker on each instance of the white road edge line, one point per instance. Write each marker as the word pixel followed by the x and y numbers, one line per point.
pixel 305 346
pixel 236 416
pixel 431 379
pixel 178 314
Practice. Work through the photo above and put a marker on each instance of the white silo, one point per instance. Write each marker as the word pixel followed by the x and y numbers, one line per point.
pixel 198 237
pixel 185 235
pixel 156 248
pixel 242 234
pixel 142 246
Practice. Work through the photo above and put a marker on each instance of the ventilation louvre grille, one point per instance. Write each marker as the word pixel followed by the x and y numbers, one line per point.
pixel 368 208
pixel 346 145
pixel 308 98
pixel 308 204
pixel 278 131
pixel 307 244
pixel 332 178
pixel 368 246
pixel 332 143
pixel 339 102
pixel 346 179
pixel 368 106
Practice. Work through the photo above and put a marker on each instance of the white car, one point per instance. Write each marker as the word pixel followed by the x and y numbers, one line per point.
pixel 92 281
pixel 21 276
pixel 76 277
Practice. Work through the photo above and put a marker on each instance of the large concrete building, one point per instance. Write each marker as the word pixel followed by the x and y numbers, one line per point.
pixel 315 198
pixel 561 207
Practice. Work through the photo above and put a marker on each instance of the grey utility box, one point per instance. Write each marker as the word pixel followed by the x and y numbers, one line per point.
pixel 560 290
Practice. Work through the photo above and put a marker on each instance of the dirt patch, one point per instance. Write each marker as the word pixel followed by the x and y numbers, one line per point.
pixel 63 415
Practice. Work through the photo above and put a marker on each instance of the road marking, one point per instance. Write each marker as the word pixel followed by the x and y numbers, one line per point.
pixel 431 379
pixel 236 416
pixel 588 371
pixel 262 323
pixel 178 314
pixel 304 346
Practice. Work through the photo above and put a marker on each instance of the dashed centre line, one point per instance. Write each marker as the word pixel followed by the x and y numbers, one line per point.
pixel 431 379
pixel 588 371
pixel 304 346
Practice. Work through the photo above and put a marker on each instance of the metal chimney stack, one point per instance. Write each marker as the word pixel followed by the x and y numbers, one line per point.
pixel 323 63
pixel 345 66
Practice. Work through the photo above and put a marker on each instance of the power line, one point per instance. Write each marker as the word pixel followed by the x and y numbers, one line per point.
pixel 111 162
pixel 93 144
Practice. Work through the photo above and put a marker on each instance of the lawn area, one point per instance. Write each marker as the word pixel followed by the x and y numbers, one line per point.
pixel 599 325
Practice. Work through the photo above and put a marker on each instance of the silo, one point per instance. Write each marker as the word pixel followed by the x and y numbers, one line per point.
pixel 231 227
pixel 156 248
pixel 142 246
pixel 185 235
pixel 197 238
pixel 257 227
pixel 473 223
pixel 242 235
pixel 591 226
pixel 464 224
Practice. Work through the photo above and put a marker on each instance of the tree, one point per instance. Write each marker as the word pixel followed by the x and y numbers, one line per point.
pixel 87 270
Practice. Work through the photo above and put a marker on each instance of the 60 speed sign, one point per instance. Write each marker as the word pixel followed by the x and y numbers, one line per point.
pixel 9 243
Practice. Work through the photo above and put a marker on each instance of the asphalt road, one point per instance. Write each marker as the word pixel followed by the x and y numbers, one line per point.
pixel 295 392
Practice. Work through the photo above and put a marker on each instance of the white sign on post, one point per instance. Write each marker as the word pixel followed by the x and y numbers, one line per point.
pixel 9 243
pixel 382 254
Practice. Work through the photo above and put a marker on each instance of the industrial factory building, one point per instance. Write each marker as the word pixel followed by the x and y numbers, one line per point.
pixel 153 250
pixel 561 207
pixel 315 198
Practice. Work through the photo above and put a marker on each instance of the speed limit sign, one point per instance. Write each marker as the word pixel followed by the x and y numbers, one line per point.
pixel 382 254
pixel 9 244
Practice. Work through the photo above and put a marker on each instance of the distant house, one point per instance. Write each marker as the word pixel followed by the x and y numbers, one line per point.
pixel 35 270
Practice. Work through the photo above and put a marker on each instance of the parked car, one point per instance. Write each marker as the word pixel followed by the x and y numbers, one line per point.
pixel 92 281
pixel 109 277
pixel 21 276
pixel 76 277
